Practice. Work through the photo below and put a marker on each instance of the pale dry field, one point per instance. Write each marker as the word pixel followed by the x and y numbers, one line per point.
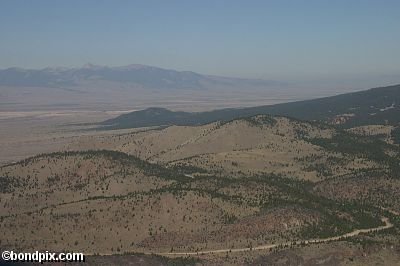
pixel 25 134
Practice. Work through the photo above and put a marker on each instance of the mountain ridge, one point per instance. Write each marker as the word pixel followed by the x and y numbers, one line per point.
pixel 144 75
pixel 374 106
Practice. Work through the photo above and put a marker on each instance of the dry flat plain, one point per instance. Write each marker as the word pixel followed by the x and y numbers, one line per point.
pixel 27 133
pixel 124 196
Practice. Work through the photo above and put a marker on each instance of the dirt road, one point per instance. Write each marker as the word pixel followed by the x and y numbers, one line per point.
pixel 387 225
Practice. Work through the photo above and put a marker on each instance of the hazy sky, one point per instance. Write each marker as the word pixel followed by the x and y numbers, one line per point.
pixel 286 40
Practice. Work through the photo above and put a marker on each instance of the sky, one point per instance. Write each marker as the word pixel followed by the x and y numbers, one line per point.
pixel 307 40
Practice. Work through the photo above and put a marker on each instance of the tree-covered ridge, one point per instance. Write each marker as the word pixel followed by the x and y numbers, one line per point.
pixel 388 156
pixel 123 158
pixel 374 106
pixel 396 135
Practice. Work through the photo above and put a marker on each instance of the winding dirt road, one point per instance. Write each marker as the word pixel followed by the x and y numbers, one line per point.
pixel 387 225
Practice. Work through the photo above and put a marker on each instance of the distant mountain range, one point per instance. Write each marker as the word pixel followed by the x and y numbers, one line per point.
pixel 373 106
pixel 139 75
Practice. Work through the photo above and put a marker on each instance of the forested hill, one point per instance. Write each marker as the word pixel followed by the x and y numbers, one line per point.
pixel 373 106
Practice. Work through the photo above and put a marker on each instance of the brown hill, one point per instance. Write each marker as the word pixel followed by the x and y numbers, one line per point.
pixel 260 144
